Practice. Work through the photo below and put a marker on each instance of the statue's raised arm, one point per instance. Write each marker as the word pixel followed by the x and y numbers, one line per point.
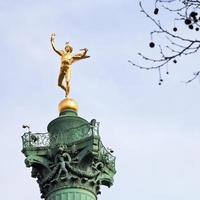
pixel 53 46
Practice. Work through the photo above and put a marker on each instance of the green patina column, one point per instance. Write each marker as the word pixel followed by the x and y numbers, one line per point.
pixel 69 162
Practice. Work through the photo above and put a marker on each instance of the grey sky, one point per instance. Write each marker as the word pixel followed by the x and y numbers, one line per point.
pixel 154 130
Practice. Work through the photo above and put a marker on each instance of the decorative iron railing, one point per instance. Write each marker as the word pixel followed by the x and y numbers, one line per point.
pixel 41 140
pixel 107 156
pixel 35 141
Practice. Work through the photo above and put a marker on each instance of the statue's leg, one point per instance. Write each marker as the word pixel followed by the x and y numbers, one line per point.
pixel 64 168
pixel 59 173
pixel 60 80
pixel 67 88
pixel 67 77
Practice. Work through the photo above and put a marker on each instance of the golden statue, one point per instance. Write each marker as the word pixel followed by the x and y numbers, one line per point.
pixel 67 59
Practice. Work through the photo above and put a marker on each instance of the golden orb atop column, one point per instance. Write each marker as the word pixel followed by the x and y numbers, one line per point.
pixel 68 103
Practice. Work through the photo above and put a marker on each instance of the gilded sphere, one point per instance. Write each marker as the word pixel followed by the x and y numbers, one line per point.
pixel 68 103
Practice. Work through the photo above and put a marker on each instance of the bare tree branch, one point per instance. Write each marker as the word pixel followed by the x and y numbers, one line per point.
pixel 178 44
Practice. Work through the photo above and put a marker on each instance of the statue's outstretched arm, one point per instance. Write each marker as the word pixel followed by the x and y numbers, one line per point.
pixel 53 46
pixel 80 56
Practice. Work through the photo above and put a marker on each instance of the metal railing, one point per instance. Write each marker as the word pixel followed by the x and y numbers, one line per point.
pixel 35 140
pixel 41 140
pixel 107 156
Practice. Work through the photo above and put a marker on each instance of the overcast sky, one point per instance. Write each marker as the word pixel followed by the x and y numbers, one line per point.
pixel 153 129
